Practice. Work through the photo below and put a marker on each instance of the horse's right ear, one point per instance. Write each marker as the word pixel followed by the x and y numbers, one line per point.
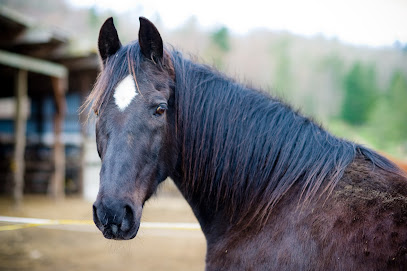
pixel 108 41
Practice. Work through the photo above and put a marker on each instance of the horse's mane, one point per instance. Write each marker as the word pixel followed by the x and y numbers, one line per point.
pixel 246 149
pixel 240 147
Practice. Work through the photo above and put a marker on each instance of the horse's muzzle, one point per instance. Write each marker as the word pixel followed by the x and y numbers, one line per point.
pixel 116 219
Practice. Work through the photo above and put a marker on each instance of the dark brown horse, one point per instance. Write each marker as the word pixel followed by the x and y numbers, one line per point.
pixel 271 189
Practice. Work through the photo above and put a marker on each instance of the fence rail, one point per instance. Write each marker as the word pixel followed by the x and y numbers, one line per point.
pixel 25 222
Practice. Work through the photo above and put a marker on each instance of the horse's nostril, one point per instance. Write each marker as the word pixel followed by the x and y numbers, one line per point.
pixel 128 218
pixel 99 217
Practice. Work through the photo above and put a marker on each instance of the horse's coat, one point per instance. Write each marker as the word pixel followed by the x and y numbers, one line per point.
pixel 271 189
pixel 125 92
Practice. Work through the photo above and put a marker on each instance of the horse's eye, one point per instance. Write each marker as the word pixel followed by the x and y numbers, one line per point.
pixel 161 109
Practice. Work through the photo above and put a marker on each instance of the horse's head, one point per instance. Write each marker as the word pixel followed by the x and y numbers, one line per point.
pixel 134 103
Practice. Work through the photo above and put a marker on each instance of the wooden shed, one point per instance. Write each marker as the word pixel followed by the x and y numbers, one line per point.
pixel 41 133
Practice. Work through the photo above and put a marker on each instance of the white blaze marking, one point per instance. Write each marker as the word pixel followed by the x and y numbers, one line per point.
pixel 125 92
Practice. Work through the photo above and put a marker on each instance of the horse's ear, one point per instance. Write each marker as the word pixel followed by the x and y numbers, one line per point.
pixel 108 41
pixel 150 41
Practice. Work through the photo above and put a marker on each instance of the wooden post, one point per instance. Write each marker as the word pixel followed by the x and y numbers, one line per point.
pixel 86 85
pixel 59 74
pixel 20 123
pixel 56 188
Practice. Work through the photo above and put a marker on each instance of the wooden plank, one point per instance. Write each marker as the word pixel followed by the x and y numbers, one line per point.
pixel 14 17
pixel 8 108
pixel 56 188
pixel 20 124
pixel 33 64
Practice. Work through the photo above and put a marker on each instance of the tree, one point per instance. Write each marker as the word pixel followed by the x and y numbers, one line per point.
pixel 360 94
pixel 397 101
pixel 221 39
pixel 388 122
pixel 283 75
pixel 220 45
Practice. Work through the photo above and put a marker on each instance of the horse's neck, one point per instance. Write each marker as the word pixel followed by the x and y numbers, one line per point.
pixel 203 209
pixel 213 224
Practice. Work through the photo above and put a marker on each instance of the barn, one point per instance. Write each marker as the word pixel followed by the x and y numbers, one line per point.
pixel 42 136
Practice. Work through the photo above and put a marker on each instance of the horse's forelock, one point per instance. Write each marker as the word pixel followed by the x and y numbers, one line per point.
pixel 124 62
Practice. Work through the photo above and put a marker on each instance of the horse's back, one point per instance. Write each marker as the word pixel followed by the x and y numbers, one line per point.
pixel 369 218
pixel 362 225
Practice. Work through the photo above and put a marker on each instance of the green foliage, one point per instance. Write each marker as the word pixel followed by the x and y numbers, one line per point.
pixel 398 93
pixel 389 119
pixel 332 65
pixel 360 94
pixel 221 39
pixel 219 46
pixel 283 82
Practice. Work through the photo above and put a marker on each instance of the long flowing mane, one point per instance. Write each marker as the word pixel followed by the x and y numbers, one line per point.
pixel 246 149
pixel 240 147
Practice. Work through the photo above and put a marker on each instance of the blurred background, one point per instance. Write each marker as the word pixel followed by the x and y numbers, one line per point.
pixel 341 63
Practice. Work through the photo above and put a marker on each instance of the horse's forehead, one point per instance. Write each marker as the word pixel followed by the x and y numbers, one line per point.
pixel 125 92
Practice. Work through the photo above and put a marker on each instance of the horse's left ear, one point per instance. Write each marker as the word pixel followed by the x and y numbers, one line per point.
pixel 150 41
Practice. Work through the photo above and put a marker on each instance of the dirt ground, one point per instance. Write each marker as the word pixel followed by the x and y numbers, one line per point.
pixel 84 247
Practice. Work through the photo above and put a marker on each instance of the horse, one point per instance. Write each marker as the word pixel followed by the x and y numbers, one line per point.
pixel 271 189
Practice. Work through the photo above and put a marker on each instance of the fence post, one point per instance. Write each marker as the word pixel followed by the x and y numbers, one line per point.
pixel 20 124
pixel 56 188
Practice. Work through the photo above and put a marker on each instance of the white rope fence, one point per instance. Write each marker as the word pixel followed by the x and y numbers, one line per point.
pixel 25 222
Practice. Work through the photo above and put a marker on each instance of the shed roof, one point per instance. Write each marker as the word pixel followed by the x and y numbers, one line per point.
pixel 25 36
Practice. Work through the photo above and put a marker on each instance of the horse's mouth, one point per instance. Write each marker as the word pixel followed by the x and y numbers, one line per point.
pixel 113 231
pixel 116 226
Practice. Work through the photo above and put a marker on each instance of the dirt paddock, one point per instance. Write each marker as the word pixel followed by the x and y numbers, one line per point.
pixel 84 248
